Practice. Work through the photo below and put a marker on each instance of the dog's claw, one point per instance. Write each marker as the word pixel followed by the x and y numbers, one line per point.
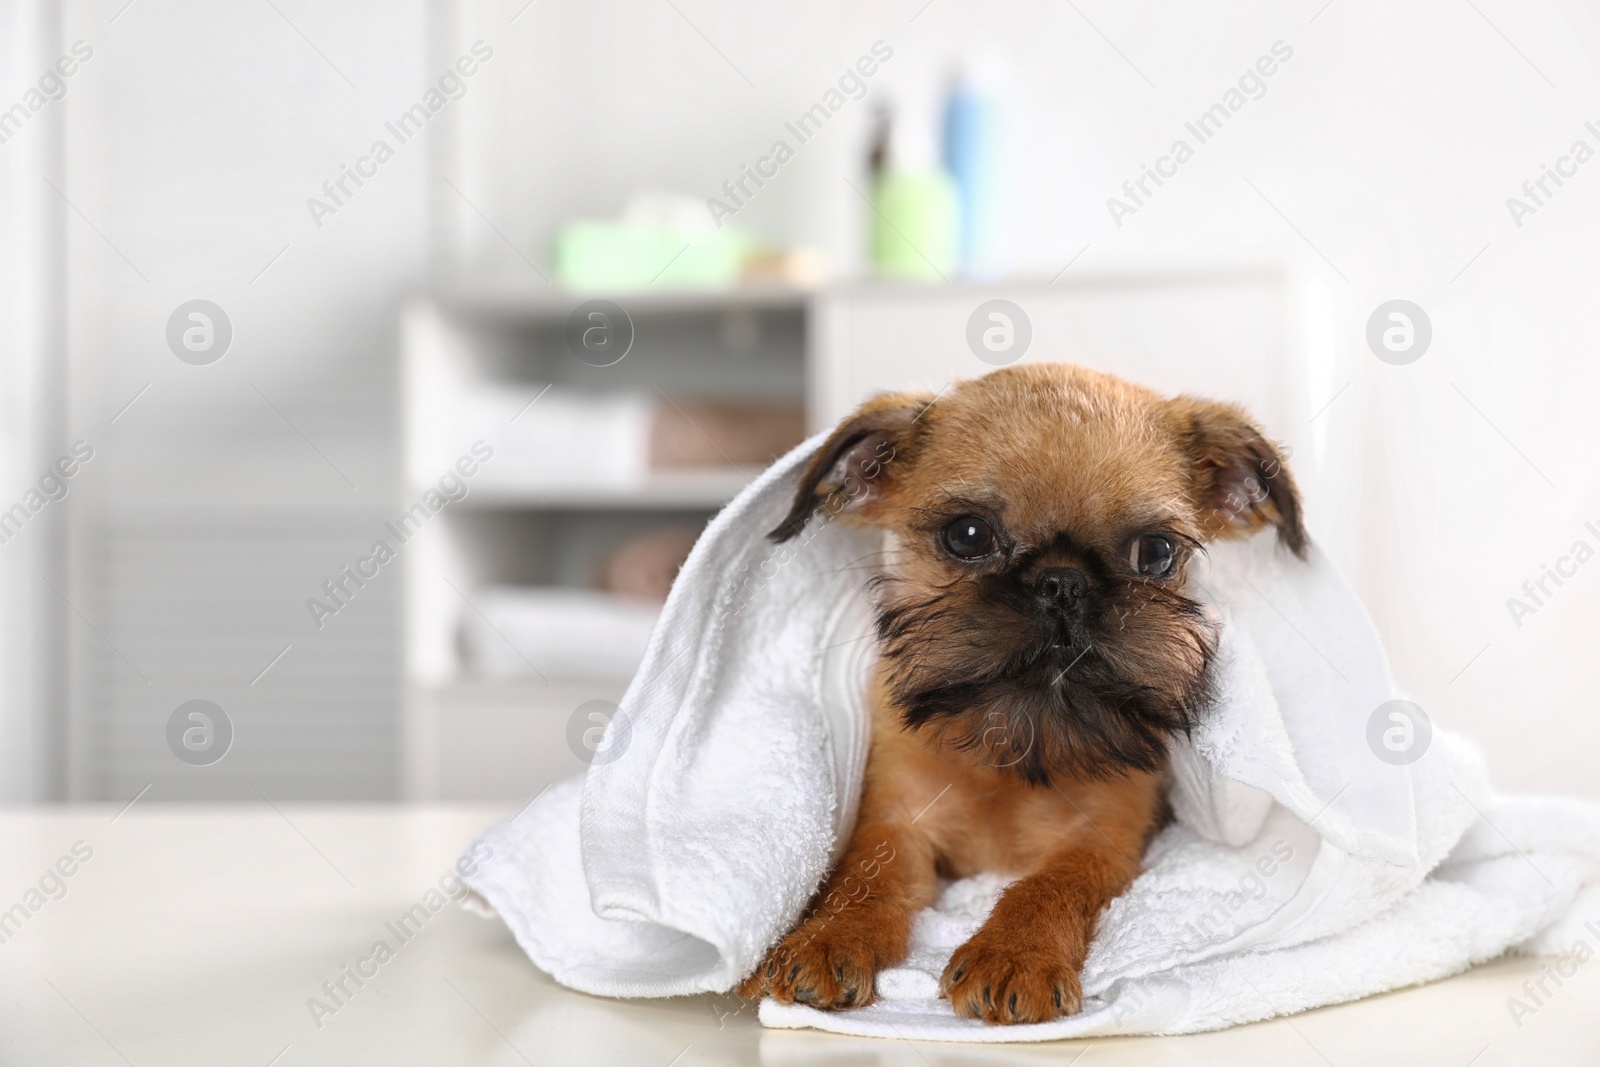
pixel 828 969
pixel 1002 983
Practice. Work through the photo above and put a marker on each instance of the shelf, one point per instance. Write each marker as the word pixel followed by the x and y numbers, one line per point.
pixel 663 490
pixel 532 694
pixel 547 303
pixel 517 300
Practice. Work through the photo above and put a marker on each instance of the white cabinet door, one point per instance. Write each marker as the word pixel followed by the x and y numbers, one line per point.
pixel 1225 335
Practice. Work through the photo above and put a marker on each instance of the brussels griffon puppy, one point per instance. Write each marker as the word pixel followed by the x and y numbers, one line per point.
pixel 1038 646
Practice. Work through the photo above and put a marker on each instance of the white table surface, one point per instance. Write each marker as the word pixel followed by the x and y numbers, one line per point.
pixel 195 935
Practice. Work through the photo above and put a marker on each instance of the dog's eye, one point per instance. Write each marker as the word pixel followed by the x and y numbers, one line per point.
pixel 968 537
pixel 1154 555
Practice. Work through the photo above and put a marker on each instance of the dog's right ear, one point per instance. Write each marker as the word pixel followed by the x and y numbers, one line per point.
pixel 857 461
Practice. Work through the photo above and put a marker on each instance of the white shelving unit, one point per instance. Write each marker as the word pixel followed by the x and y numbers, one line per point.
pixel 469 737
pixel 475 737
pixel 707 488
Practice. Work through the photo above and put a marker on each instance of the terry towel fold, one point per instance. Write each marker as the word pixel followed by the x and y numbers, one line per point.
pixel 1301 870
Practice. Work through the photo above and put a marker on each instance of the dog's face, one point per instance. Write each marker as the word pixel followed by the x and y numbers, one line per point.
pixel 1037 609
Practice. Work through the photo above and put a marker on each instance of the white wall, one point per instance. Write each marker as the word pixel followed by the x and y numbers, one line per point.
pixel 225 494
pixel 1388 145
pixel 1390 142
pixel 32 398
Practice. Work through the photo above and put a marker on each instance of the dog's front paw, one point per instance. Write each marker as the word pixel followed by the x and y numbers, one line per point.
pixel 1005 980
pixel 823 964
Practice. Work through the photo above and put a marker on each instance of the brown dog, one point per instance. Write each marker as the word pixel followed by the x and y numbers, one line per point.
pixel 1038 647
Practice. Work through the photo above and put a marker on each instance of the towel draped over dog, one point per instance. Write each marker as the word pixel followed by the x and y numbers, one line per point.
pixel 1328 843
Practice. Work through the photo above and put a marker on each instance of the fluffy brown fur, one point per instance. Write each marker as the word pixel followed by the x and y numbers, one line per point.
pixel 1024 695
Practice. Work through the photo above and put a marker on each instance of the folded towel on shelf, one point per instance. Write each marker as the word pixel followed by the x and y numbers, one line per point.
pixel 1308 864
pixel 579 440
pixel 567 633
pixel 556 437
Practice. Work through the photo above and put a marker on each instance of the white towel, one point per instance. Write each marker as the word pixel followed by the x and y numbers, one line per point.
pixel 579 441
pixel 559 633
pixel 1302 869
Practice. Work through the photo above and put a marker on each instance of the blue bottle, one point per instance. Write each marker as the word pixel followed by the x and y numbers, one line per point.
pixel 971 146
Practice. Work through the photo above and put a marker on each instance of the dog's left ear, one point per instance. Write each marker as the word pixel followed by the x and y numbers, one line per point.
pixel 1241 478
pixel 858 460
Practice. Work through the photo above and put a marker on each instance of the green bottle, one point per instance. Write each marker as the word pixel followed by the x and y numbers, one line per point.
pixel 915 220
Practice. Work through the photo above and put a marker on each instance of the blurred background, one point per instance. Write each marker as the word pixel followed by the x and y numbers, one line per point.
pixel 309 413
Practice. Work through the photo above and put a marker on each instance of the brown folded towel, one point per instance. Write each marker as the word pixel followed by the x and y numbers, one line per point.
pixel 715 433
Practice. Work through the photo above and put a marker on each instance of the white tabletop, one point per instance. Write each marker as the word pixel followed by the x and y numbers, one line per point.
pixel 197 935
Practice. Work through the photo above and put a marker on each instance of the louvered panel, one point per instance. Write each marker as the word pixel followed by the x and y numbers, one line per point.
pixel 195 605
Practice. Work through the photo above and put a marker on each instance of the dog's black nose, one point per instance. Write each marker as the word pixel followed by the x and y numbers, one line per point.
pixel 1063 587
